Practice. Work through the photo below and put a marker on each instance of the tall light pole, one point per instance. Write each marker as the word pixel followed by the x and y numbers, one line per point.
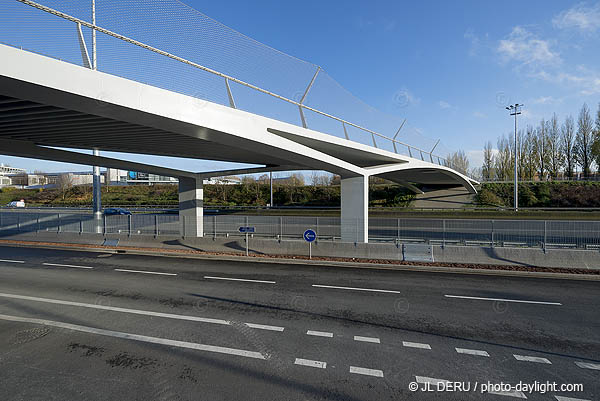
pixel 515 110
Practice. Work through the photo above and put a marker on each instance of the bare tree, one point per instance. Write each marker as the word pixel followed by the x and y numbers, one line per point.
pixel 502 159
pixel 567 136
pixel 584 140
pixel 459 162
pixel 596 145
pixel 542 148
pixel 555 155
pixel 64 182
pixel 529 156
pixel 487 170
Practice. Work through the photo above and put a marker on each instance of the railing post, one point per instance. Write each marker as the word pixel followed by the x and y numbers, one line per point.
pixel 129 225
pixel 38 223
pixel 80 224
pixel 215 227
pixel 280 228
pixel 58 230
pixel 545 235
pixel 398 229
pixel 18 222
pixel 104 229
pixel 492 233
pixel 155 225
pixel 443 233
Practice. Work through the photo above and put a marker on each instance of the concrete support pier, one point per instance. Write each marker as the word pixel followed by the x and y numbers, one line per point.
pixel 191 207
pixel 355 209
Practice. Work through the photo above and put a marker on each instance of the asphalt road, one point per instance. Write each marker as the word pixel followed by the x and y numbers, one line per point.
pixel 99 326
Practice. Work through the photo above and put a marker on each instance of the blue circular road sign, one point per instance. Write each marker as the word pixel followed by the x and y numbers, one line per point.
pixel 310 235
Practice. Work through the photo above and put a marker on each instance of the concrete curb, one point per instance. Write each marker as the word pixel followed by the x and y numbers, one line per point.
pixel 355 265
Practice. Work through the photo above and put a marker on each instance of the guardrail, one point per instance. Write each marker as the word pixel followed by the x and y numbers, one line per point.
pixel 466 232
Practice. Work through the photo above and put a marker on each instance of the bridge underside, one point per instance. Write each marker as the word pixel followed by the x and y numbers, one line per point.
pixel 46 103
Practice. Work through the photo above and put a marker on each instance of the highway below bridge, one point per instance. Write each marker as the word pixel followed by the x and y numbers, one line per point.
pixel 104 326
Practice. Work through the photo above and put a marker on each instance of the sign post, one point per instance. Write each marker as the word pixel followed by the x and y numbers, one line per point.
pixel 247 230
pixel 309 236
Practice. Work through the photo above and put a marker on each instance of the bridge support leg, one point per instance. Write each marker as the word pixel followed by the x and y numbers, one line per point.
pixel 355 209
pixel 191 207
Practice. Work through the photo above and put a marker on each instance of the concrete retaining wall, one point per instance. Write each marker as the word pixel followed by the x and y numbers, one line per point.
pixel 564 258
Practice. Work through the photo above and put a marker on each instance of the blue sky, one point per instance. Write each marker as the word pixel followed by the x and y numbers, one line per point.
pixel 448 67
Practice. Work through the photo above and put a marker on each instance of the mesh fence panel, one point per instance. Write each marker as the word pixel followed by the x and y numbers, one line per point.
pixel 174 27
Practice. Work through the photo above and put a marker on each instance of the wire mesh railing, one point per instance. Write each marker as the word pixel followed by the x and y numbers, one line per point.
pixel 167 44
pixel 461 232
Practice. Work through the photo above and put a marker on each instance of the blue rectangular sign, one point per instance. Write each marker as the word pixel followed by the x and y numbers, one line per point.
pixel 247 229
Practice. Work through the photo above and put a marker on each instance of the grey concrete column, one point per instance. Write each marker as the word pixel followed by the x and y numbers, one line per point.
pixel 191 207
pixel 355 209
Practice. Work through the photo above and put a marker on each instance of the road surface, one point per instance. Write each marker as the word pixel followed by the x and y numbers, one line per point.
pixel 78 325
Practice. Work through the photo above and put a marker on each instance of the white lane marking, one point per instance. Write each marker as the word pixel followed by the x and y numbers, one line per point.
pixel 240 279
pixel 504 300
pixel 536 359
pixel 138 312
pixel 587 365
pixel 137 337
pixel 319 333
pixel 513 393
pixel 430 380
pixel 145 272
pixel 12 261
pixel 416 345
pixel 310 363
pixel 264 327
pixel 561 398
pixel 61 265
pixel 355 288
pixel 365 371
pixel 471 352
pixel 367 339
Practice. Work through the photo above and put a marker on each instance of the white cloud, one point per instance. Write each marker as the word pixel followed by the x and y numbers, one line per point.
pixel 444 105
pixel 524 48
pixel 583 79
pixel 546 100
pixel 479 114
pixel 579 17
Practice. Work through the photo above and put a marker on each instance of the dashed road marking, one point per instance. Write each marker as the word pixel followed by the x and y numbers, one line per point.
pixel 587 365
pixel 430 380
pixel 145 272
pixel 239 279
pixel 319 333
pixel 61 265
pixel 11 261
pixel 561 398
pixel 367 339
pixel 335 287
pixel 471 352
pixel 138 337
pixel 138 312
pixel 310 363
pixel 513 393
pixel 536 359
pixel 504 300
pixel 366 371
pixel 416 345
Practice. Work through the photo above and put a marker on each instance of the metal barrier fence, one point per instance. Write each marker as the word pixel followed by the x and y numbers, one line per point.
pixel 474 232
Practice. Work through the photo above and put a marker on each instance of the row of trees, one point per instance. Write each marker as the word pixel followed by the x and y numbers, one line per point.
pixel 550 150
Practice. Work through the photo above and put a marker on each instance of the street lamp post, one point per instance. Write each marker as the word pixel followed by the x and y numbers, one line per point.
pixel 515 110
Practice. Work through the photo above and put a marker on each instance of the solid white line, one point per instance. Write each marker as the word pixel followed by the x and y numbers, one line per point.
pixel 145 272
pixel 138 312
pixel 12 261
pixel 240 279
pixel 536 359
pixel 61 265
pixel 355 288
pixel 561 398
pixel 430 380
pixel 471 352
pixel 319 333
pixel 504 300
pixel 367 339
pixel 310 363
pixel 514 393
pixel 365 371
pixel 416 345
pixel 587 365
pixel 138 337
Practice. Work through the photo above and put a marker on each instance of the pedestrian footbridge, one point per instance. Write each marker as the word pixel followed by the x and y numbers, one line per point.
pixel 47 103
